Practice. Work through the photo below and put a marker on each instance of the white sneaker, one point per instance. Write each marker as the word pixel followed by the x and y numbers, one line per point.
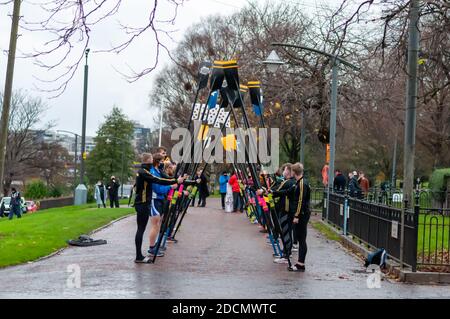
pixel 294 247
pixel 280 261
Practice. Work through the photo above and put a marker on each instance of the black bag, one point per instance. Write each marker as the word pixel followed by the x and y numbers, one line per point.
pixel 378 258
pixel 86 241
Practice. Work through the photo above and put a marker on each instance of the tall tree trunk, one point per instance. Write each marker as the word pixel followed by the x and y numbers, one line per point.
pixel 4 124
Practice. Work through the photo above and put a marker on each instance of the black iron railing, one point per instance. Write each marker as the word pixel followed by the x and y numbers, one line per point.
pixel 434 238
pixel 375 225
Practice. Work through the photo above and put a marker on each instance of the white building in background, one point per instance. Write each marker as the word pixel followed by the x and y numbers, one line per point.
pixel 141 138
pixel 65 140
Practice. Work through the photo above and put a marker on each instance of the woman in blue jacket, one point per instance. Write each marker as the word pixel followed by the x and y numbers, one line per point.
pixel 223 181
pixel 158 197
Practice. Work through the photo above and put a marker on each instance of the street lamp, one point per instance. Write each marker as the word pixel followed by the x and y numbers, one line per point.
pixel 81 190
pixel 336 60
pixel 76 152
pixel 273 62
pixel 108 141
pixel 160 125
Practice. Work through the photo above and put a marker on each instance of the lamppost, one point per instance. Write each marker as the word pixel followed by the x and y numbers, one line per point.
pixel 108 141
pixel 76 153
pixel 160 125
pixel 81 190
pixel 274 61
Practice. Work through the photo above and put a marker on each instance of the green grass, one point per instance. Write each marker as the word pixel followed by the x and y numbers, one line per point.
pixel 42 233
pixel 326 231
pixel 433 236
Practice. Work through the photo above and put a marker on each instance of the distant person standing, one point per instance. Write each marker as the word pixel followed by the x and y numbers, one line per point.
pixel 339 182
pixel 100 194
pixel 223 181
pixel 2 210
pixel 15 206
pixel 202 188
pixel 363 184
pixel 353 186
pixel 237 200
pixel 113 192
pixel 325 173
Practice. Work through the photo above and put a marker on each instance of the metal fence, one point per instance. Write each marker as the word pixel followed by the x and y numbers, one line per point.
pixel 317 198
pixel 394 198
pixel 434 238
pixel 376 225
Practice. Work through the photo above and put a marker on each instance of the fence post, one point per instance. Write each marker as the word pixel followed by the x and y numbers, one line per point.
pixel 324 207
pixel 345 212
pixel 416 230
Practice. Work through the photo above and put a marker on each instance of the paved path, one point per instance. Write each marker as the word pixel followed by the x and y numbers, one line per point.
pixel 219 256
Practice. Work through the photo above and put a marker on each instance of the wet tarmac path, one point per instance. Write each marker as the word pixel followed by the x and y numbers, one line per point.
pixel 218 255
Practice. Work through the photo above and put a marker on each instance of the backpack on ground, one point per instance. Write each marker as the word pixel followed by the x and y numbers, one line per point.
pixel 378 257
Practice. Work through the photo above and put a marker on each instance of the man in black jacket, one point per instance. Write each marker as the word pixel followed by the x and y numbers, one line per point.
pixel 282 206
pixel 353 186
pixel 113 192
pixel 299 196
pixel 339 182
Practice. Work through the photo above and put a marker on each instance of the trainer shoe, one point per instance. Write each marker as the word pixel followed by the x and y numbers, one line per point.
pixel 152 253
pixel 295 248
pixel 297 268
pixel 280 260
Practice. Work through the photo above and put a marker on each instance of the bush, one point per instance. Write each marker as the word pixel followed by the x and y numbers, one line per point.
pixel 55 191
pixel 90 195
pixel 438 184
pixel 36 190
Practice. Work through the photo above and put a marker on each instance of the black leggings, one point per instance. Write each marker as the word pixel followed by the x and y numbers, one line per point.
pixel 222 195
pixel 143 214
pixel 301 232
pixel 114 201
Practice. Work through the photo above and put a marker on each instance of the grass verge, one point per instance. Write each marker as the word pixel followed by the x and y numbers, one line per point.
pixel 43 233
pixel 326 231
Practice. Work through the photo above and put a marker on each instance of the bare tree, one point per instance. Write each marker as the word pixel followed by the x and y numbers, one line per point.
pixel 70 24
pixel 50 163
pixel 23 134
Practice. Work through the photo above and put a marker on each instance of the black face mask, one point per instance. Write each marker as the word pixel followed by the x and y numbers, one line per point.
pixel 147 166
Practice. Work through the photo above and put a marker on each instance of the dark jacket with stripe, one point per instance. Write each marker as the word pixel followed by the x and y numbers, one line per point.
pixel 293 195
pixel 282 202
pixel 144 181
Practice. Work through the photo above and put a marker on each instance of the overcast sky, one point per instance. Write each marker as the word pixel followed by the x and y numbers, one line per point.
pixel 106 86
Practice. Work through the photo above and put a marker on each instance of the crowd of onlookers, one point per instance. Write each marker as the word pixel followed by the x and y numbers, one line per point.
pixel 356 183
pixel 109 191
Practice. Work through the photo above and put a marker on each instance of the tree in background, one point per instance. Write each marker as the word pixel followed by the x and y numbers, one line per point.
pixel 113 139
pixel 23 143
pixel 371 102
pixel 51 163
